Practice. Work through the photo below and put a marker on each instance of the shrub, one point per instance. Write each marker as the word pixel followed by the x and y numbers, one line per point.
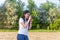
pixel 55 25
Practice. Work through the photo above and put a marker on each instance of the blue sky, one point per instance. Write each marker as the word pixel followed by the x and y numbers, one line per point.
pixel 37 2
pixel 2 2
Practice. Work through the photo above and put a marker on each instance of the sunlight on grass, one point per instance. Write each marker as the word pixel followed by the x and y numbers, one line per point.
pixel 38 30
pixel 7 30
pixel 44 30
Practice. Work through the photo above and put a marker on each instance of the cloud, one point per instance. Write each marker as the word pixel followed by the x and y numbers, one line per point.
pixel 2 1
pixel 37 2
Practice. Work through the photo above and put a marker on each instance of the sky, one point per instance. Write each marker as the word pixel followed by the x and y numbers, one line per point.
pixel 2 2
pixel 37 2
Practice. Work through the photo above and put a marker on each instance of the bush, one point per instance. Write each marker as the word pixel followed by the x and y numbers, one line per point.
pixel 55 25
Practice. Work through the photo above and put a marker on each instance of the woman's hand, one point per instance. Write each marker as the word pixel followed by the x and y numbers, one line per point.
pixel 30 18
pixel 25 24
pixel 30 24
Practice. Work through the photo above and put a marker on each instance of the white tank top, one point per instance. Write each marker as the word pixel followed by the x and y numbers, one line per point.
pixel 22 30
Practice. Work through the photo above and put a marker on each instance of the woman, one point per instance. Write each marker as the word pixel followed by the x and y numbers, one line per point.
pixel 25 23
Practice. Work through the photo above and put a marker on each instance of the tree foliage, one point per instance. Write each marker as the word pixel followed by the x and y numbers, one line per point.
pixel 10 13
pixel 46 16
pixel 43 14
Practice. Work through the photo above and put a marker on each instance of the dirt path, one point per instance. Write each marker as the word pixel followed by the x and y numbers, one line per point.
pixel 32 35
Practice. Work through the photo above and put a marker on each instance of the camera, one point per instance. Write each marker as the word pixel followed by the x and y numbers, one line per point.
pixel 32 17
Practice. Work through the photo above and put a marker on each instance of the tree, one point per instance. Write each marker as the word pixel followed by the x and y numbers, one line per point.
pixel 58 14
pixel 20 8
pixel 19 11
pixel 53 18
pixel 43 14
pixel 10 13
pixel 2 15
pixel 33 10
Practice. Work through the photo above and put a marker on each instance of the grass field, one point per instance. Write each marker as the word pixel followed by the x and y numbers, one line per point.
pixel 38 30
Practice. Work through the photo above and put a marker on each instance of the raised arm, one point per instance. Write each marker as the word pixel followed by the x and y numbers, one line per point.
pixel 25 24
pixel 30 24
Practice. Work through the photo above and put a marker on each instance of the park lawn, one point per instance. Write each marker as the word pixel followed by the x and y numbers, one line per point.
pixel 35 30
pixel 43 30
pixel 7 30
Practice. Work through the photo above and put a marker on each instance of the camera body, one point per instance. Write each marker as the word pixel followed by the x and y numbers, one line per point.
pixel 32 17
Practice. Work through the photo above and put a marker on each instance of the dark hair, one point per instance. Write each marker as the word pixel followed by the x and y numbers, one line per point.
pixel 25 12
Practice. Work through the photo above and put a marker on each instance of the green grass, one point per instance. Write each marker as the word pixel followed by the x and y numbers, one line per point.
pixel 38 30
pixel 7 30
pixel 42 30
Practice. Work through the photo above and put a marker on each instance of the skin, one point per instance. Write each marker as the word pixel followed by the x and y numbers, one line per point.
pixel 27 16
